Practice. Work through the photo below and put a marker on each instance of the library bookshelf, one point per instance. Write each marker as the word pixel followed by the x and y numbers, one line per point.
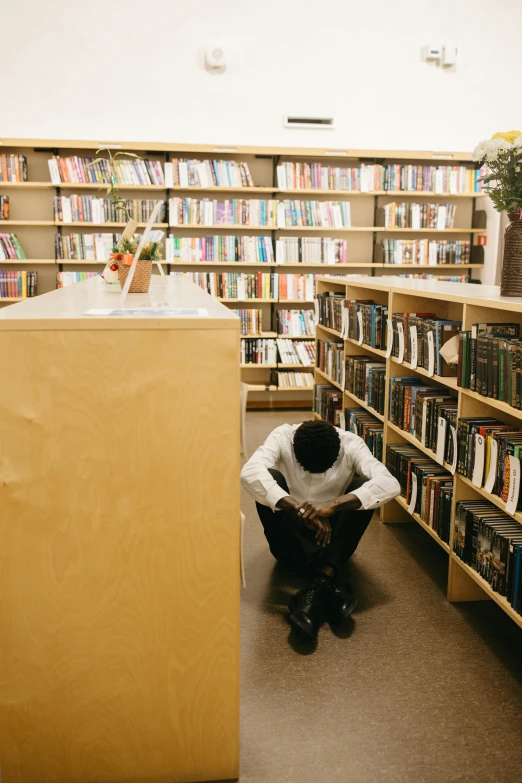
pixel 470 304
pixel 33 221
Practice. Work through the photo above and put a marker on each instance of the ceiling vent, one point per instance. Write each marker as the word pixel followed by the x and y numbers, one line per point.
pixel 315 123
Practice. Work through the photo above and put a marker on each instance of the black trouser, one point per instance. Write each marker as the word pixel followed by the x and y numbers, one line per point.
pixel 294 545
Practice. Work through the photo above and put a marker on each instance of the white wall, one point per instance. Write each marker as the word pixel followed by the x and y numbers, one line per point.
pixel 359 61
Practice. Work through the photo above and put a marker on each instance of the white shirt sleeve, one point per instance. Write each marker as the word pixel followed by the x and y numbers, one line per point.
pixel 255 476
pixel 381 485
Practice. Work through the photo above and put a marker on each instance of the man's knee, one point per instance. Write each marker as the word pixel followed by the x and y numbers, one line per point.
pixel 278 476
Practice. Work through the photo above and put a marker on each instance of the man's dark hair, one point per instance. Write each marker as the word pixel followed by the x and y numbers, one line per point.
pixel 316 446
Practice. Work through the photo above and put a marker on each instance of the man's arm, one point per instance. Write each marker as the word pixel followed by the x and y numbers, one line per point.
pixel 255 476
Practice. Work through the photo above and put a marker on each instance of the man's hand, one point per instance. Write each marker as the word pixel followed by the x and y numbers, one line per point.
pixel 323 530
pixel 314 508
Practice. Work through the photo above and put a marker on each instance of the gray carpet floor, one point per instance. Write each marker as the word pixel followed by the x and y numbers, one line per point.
pixel 413 690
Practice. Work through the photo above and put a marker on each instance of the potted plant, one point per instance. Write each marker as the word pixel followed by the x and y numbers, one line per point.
pixel 502 155
pixel 122 256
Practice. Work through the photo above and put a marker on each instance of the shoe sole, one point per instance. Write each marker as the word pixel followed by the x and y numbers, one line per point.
pixel 302 626
pixel 347 612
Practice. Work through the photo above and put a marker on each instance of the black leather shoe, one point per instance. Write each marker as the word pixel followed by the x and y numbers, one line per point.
pixel 341 600
pixel 308 606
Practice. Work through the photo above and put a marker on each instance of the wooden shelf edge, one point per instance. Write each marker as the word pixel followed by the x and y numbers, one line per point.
pixel 517 516
pixel 329 330
pixel 499 599
pixel 326 378
pixel 366 347
pixel 365 405
pixel 402 502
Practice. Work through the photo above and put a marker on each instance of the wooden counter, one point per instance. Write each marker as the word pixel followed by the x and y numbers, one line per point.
pixel 119 522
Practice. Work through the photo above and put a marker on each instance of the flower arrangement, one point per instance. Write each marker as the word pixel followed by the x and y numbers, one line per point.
pixel 502 154
pixel 126 248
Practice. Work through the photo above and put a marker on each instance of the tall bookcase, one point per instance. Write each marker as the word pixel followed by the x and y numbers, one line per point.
pixel 469 304
pixel 32 219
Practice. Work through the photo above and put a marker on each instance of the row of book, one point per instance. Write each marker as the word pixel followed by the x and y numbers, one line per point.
pixel 416 407
pixel 251 321
pixel 295 380
pixel 295 323
pixel 87 247
pixel 365 322
pixel 189 172
pixel 4 207
pixel 418 216
pixel 75 169
pixel 329 310
pixel 426 486
pixel 255 285
pixel 296 351
pixel 10 247
pixel 228 248
pixel 486 450
pixel 490 361
pixel 490 542
pixel 426 251
pixel 258 212
pixel 328 403
pixel 258 351
pixel 366 379
pixel 441 278
pixel 376 177
pixel 311 250
pixel 330 359
pixel 366 426
pixel 13 168
pixel 89 209
pixel 64 279
pixel 17 284
pixel 418 339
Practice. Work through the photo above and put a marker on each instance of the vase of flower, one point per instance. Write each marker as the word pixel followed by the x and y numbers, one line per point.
pixel 502 154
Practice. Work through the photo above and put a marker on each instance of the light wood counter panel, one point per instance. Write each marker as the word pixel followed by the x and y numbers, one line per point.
pixel 119 565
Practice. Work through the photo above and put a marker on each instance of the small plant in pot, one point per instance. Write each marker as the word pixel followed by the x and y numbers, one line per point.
pixel 502 155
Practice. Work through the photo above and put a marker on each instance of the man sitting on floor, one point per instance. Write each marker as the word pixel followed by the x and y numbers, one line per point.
pixel 314 512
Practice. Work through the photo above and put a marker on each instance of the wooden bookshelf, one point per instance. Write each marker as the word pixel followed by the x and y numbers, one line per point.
pixel 32 207
pixel 470 304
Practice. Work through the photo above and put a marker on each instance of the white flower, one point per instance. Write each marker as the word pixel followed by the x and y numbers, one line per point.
pixel 480 150
pixel 518 142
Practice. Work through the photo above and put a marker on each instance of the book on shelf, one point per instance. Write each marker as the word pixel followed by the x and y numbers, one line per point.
pixel 367 427
pixel 258 351
pixel 366 323
pixel 420 337
pixel 490 361
pixel 251 321
pixel 296 287
pixel 415 408
pixel 75 169
pixel 85 247
pixel 330 359
pixel 426 486
pixel 64 279
pixel 295 323
pixel 297 380
pixel 17 284
pixel 366 379
pixel 13 168
pixel 328 403
pixel 486 447
pixel 10 247
pixel 192 173
pixel 236 285
pixel 490 542
pixel 4 207
pixel 376 177
pixel 224 249
pixel 296 352
pixel 89 209
pixel 330 307
pixel 418 216
pixel 432 252
pixel 440 278
pixel 311 250
pixel 258 212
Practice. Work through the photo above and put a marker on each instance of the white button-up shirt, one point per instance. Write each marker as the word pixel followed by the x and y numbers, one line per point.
pixel 354 457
